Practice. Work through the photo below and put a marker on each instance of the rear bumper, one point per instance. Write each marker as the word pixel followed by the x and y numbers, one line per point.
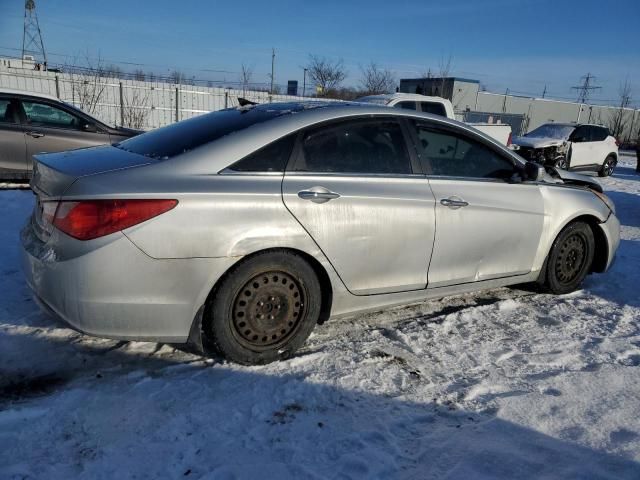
pixel 611 230
pixel 116 291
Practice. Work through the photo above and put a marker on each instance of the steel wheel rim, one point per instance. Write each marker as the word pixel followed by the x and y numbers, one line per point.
pixel 608 167
pixel 571 258
pixel 267 310
pixel 562 164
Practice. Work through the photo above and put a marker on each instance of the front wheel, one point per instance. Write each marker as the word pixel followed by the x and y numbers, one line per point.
pixel 608 167
pixel 570 258
pixel 561 163
pixel 264 309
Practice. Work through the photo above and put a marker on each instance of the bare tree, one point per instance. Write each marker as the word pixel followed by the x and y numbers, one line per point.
pixel 177 77
pixel 617 121
pixel 135 109
pixel 87 86
pixel 326 74
pixel 246 74
pixel 139 75
pixel 376 80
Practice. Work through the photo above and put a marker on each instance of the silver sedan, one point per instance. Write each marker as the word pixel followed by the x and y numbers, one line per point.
pixel 240 230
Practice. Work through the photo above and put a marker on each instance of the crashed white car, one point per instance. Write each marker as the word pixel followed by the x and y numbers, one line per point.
pixel 570 146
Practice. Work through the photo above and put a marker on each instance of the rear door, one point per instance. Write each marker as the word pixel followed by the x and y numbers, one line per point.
pixel 13 147
pixel 581 147
pixel 355 188
pixel 53 128
pixel 486 226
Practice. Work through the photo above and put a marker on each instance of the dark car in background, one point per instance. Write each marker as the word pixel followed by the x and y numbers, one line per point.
pixel 31 123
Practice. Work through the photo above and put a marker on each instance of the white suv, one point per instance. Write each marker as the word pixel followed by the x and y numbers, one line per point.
pixel 570 146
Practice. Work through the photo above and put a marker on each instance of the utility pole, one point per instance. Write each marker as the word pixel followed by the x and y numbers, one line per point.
pixel 31 35
pixel 504 104
pixel 304 82
pixel 544 92
pixel 586 88
pixel 273 60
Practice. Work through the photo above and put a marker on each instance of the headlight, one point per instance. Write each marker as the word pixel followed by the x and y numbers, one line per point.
pixel 607 201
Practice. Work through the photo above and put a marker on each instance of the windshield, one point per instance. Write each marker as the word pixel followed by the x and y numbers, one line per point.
pixel 552 130
pixel 184 136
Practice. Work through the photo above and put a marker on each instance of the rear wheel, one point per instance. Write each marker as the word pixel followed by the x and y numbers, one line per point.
pixel 264 310
pixel 570 258
pixel 608 167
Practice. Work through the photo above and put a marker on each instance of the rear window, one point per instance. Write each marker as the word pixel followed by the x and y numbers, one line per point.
pixel 189 134
pixel 434 108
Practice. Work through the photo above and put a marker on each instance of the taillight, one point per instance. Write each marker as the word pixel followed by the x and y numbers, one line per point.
pixel 86 220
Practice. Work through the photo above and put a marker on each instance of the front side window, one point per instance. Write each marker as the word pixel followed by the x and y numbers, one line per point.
pixel 361 146
pixel 49 116
pixel 581 134
pixel 7 111
pixel 451 155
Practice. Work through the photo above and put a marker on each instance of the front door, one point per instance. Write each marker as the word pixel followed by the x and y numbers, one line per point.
pixel 50 128
pixel 353 188
pixel 581 147
pixel 13 148
pixel 486 226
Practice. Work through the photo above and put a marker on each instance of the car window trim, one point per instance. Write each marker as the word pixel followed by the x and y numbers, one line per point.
pixel 438 127
pixel 297 156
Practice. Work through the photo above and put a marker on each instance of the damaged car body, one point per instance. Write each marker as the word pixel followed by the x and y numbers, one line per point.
pixel 239 230
pixel 569 146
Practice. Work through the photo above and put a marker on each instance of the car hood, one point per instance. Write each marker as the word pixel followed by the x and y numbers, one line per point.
pixel 537 142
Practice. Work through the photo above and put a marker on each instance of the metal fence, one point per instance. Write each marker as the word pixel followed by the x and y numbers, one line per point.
pixel 518 122
pixel 132 103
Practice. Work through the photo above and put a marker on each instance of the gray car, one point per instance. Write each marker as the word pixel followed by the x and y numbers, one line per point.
pixel 32 122
pixel 240 230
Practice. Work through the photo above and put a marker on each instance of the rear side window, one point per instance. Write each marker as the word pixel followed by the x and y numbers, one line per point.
pixel 598 134
pixel 361 146
pixel 434 108
pixel 451 155
pixel 406 105
pixel 272 158
pixel 187 135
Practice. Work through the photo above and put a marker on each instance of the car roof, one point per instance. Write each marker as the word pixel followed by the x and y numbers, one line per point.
pixel 12 91
pixel 404 96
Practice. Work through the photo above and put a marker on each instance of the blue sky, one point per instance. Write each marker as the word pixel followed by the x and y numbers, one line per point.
pixel 522 45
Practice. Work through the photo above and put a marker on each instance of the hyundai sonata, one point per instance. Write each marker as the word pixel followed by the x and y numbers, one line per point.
pixel 242 229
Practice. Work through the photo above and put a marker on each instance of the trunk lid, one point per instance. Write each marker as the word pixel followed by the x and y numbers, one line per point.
pixel 53 173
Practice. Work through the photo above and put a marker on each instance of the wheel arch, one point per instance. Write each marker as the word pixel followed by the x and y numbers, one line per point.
pixel 601 250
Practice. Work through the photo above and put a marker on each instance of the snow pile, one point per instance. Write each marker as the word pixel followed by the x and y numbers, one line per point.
pixel 500 384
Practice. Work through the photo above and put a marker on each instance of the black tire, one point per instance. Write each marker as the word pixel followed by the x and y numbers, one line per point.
pixel 608 166
pixel 264 310
pixel 570 258
pixel 561 163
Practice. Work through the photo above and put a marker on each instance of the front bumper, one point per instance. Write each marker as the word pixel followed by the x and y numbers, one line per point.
pixel 611 230
pixel 109 288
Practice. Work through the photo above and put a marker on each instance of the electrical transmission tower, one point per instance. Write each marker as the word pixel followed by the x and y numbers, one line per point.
pixel 586 88
pixel 32 43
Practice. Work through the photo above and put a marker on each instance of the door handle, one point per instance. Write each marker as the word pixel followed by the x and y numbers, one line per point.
pixel 453 202
pixel 35 134
pixel 318 194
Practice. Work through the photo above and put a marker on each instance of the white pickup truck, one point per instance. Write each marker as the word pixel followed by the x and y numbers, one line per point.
pixel 437 106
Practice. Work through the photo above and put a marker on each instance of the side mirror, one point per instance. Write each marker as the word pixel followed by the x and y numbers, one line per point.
pixel 534 171
pixel 89 127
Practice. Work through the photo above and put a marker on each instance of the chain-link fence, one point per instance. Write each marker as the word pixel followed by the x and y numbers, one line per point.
pixel 132 103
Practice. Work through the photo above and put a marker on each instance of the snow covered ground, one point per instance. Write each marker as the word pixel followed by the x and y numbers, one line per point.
pixel 500 384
